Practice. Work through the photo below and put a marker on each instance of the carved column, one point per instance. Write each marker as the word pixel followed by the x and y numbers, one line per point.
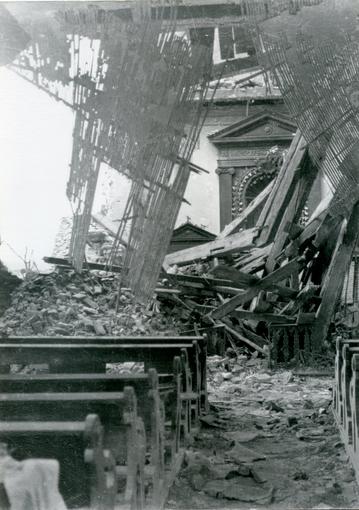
pixel 225 195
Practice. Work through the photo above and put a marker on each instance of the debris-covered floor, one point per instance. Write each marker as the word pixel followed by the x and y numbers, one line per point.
pixel 270 440
pixel 270 437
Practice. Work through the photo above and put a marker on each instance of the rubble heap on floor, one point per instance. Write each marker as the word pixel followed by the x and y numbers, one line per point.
pixel 273 288
pixel 8 283
pixel 65 303
pixel 276 287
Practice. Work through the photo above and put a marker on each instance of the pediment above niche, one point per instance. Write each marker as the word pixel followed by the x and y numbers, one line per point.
pixel 263 127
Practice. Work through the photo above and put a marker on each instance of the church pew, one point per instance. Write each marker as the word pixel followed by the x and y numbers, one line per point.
pixel 154 358
pixel 92 357
pixel 346 397
pixel 161 400
pixel 341 392
pixel 354 405
pixel 124 432
pixel 87 470
pixel 338 394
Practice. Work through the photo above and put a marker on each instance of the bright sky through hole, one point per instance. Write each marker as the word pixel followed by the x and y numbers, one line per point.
pixel 35 151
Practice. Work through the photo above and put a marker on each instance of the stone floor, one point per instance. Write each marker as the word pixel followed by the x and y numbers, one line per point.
pixel 270 441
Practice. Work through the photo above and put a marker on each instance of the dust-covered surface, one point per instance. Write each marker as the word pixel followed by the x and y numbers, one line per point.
pixel 270 441
pixel 8 283
pixel 66 303
pixel 270 438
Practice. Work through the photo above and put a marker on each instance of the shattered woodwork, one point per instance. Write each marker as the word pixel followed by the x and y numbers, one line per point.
pixel 285 287
pixel 137 89
pixel 324 98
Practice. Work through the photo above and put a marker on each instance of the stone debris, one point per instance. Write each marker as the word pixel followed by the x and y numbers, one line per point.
pixel 224 480
pixel 64 303
pixel 8 283
pixel 240 488
pixel 240 454
pixel 261 457
pixel 242 436
pixel 269 438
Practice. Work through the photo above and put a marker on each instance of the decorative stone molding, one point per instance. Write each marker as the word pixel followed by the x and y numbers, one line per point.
pixel 304 217
pixel 241 183
pixel 238 186
pixel 238 152
pixel 224 170
pixel 245 165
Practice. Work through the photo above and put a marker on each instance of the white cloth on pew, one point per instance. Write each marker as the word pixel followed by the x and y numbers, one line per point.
pixel 32 484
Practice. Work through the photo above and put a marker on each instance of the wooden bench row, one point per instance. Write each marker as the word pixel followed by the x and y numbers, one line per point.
pixel 346 396
pixel 90 354
pixel 136 424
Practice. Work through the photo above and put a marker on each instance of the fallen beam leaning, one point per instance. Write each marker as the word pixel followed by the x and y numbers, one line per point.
pixel 219 247
pixel 275 277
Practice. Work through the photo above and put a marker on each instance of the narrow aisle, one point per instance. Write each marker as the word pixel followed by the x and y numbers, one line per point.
pixel 270 441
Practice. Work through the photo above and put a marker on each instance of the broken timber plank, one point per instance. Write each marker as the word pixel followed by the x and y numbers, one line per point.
pixel 281 193
pixel 305 176
pixel 280 274
pixel 243 339
pixel 334 278
pixel 232 227
pixel 195 292
pixel 57 261
pixel 269 204
pixel 315 220
pixel 163 291
pixel 294 281
pixel 236 242
pixel 306 295
pixel 326 229
pixel 244 280
pixel 254 261
pixel 248 333
pixel 233 291
pixel 236 276
pixel 266 317
pixel 197 281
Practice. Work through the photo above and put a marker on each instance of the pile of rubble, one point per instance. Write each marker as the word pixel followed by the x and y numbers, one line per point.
pixel 276 287
pixel 65 303
pixel 8 283
pixel 273 288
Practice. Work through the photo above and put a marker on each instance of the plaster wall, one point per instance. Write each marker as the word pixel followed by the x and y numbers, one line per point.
pixel 202 190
